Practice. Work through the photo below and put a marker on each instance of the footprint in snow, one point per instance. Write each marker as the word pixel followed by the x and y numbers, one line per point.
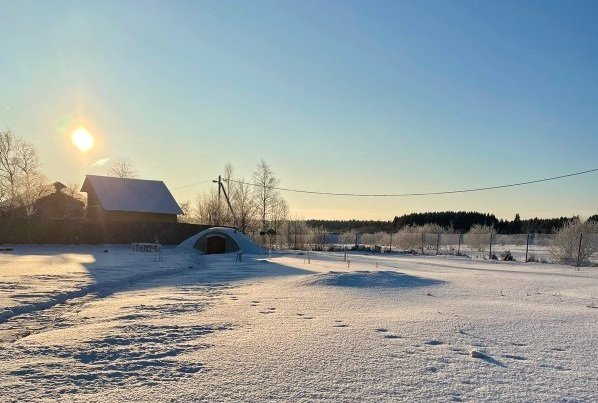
pixel 380 330
pixel 392 336
pixel 340 324
pixel 430 369
pixel 434 342
pixel 514 357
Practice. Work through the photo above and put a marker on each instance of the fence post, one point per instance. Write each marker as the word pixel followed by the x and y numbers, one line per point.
pixel 526 247
pixel 579 250
pixel 390 247
pixel 459 247
pixel 422 243
pixel 490 254
pixel 437 243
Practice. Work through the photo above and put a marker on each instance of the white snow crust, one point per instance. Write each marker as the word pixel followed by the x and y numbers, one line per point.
pixel 80 324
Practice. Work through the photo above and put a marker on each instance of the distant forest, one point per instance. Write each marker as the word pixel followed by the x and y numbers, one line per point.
pixel 459 221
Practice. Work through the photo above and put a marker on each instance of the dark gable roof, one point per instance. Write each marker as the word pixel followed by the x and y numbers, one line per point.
pixel 133 195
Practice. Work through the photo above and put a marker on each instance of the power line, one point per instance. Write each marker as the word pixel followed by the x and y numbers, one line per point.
pixel 418 194
pixel 193 184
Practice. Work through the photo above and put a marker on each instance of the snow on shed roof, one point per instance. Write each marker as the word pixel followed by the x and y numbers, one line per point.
pixel 134 195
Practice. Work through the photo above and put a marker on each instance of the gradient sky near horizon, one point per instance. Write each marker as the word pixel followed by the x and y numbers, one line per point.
pixel 338 96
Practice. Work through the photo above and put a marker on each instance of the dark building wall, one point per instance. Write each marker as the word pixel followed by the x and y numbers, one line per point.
pixel 134 216
pixel 83 231
pixel 98 213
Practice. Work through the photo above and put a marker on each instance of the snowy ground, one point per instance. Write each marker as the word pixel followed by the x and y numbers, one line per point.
pixel 81 324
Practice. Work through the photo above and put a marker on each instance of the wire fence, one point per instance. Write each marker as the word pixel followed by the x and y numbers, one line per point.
pixel 579 249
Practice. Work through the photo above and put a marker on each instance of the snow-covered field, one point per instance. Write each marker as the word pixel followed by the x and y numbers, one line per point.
pixel 81 324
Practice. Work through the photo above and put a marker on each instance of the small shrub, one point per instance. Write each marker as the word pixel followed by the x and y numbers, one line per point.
pixel 507 256
pixel 478 237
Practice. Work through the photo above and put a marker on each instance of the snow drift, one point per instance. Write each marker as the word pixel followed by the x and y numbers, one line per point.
pixel 367 279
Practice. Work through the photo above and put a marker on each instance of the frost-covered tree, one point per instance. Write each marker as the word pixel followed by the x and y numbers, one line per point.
pixel 349 238
pixel 478 237
pixel 265 193
pixel 565 246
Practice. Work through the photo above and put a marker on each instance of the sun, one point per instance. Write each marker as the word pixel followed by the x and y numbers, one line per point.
pixel 82 139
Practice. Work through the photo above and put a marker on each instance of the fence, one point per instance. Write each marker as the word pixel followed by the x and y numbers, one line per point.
pixel 518 247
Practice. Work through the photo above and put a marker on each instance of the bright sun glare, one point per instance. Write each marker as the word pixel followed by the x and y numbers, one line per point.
pixel 82 139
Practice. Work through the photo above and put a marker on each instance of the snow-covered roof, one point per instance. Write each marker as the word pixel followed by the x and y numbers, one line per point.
pixel 133 195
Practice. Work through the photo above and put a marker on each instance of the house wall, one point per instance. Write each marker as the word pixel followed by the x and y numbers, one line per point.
pixel 134 216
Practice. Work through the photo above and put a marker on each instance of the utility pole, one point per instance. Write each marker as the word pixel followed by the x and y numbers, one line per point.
pixel 526 247
pixel 218 213
pixel 579 250
pixel 230 207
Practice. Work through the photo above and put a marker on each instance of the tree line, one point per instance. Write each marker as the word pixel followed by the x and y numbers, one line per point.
pixel 454 221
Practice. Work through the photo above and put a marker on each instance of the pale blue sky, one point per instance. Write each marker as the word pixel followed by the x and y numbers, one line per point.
pixel 369 97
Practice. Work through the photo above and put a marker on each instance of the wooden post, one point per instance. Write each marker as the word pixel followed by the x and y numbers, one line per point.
pixel 579 250
pixel 437 244
pixel 526 247
pixel 459 246
pixel 422 243
pixel 490 254
pixel 390 247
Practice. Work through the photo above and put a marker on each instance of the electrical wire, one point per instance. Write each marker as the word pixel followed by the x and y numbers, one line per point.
pixel 193 184
pixel 418 194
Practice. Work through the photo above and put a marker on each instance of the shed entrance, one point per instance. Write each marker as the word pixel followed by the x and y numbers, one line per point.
pixel 215 244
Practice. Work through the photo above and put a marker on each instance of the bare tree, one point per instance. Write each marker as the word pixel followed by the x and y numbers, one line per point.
pixel 266 194
pixel 228 178
pixel 207 208
pixel 186 217
pixel 279 212
pixel 9 168
pixel 21 183
pixel 243 204
pixel 123 168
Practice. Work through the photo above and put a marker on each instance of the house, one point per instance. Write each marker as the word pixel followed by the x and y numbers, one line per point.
pixel 59 204
pixel 54 205
pixel 120 199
